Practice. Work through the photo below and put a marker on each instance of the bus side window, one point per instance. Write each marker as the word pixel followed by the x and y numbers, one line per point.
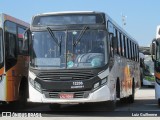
pixel 27 37
pixel 129 50
pixel 25 47
pixel 22 43
pixel 115 37
pixel 118 45
pixel 110 37
pixel 11 38
pixel 1 56
pixel 135 52
pixel 10 35
pixel 10 44
pixel 132 51
pixel 125 46
pixel 122 45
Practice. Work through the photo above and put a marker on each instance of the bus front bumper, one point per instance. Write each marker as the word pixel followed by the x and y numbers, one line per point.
pixel 99 95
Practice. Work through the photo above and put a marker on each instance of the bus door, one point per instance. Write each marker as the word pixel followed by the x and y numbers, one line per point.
pixel 1 54
pixel 10 59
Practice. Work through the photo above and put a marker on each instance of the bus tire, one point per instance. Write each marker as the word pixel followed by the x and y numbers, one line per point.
pixel 118 89
pixel 141 77
pixel 131 98
pixel 54 106
pixel 159 102
pixel 23 94
pixel 21 102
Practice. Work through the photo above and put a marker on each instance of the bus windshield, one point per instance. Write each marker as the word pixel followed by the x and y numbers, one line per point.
pixel 1 50
pixel 149 66
pixel 69 49
pixel 158 52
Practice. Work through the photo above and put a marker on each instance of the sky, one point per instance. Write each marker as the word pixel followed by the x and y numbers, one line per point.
pixel 142 16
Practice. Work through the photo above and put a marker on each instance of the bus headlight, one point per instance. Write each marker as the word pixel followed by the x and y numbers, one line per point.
pixel 35 84
pixel 96 85
pixel 104 81
pixel 31 81
pixel 101 83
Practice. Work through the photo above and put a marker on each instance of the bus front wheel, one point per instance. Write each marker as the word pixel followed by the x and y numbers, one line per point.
pixel 130 99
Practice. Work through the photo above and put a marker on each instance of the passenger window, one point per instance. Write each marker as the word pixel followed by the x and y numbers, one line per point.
pixel 125 47
pixel 22 43
pixel 129 50
pixel 122 45
pixel 10 35
pixel 119 45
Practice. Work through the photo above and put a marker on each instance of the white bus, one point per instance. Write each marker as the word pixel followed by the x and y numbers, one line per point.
pixel 81 57
pixel 155 51
pixel 141 60
pixel 147 67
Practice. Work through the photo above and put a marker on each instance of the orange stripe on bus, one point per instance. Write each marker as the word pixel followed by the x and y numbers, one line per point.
pixel 1 71
pixel 157 75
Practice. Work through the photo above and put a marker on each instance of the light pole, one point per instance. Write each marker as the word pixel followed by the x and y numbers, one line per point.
pixel 123 20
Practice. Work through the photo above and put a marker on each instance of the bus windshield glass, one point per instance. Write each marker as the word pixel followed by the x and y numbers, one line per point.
pixel 1 50
pixel 149 66
pixel 158 52
pixel 68 19
pixel 69 49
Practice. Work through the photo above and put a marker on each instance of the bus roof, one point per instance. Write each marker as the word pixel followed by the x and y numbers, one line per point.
pixel 4 17
pixel 90 12
pixel 67 12
pixel 120 28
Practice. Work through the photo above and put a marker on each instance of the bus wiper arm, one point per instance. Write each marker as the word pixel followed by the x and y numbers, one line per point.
pixel 53 36
pixel 80 35
pixel 55 39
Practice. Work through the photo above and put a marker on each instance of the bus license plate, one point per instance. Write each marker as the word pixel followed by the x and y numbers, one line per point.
pixel 66 95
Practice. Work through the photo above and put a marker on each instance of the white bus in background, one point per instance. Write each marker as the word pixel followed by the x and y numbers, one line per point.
pixel 147 67
pixel 141 59
pixel 149 78
pixel 155 51
pixel 81 57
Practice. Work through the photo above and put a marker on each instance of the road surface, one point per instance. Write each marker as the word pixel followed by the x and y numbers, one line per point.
pixel 145 104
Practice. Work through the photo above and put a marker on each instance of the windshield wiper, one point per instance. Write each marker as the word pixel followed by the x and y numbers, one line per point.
pixel 80 35
pixel 55 39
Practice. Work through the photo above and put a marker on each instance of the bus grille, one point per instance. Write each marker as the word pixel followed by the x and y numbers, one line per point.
pixel 76 94
pixel 66 75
